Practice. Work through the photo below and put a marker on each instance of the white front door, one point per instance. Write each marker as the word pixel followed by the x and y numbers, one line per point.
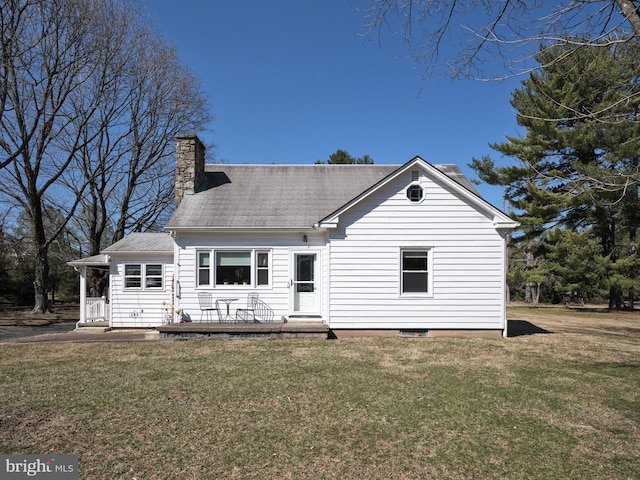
pixel 305 291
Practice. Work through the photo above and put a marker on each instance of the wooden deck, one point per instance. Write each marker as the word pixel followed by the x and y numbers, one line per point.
pixel 230 331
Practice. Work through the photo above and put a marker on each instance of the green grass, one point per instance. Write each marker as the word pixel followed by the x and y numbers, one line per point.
pixel 548 406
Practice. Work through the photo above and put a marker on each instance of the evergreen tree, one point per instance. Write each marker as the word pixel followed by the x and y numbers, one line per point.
pixel 578 162
pixel 342 157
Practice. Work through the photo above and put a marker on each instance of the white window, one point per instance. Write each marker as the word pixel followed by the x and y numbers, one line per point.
pixel 204 268
pixel 133 275
pixel 416 275
pixel 262 268
pixel 233 268
pixel 153 275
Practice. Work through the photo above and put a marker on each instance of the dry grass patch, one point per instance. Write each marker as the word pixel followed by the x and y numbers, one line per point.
pixel 557 405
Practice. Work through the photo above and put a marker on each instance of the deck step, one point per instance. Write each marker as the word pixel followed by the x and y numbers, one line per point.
pixel 93 327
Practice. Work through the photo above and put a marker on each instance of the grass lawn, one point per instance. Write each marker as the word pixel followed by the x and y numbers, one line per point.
pixel 557 405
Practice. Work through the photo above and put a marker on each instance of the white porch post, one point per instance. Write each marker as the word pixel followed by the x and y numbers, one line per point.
pixel 83 293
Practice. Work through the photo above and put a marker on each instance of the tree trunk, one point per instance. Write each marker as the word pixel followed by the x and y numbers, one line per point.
pixel 616 300
pixel 631 13
pixel 41 248
pixel 40 282
pixel 532 293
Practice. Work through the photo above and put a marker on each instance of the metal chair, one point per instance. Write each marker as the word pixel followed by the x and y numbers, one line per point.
pixel 262 312
pixel 247 314
pixel 207 306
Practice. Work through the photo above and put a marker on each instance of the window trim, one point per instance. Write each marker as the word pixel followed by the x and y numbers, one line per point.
pixel 126 276
pixel 258 268
pixel 143 277
pixel 253 283
pixel 409 197
pixel 215 267
pixel 199 268
pixel 147 276
pixel 429 272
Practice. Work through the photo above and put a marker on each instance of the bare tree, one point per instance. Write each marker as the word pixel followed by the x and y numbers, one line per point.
pixel 91 100
pixel 129 165
pixel 511 30
pixel 55 50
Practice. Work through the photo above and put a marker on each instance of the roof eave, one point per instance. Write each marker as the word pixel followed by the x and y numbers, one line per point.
pixel 242 229
pixel 504 224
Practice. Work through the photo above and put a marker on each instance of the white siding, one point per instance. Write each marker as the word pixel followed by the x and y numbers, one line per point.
pixel 467 269
pixel 133 308
pixel 275 295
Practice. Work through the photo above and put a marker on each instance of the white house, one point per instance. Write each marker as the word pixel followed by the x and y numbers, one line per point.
pixel 366 249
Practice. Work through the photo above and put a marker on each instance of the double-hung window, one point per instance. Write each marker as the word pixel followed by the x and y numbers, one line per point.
pixel 416 271
pixel 141 275
pixel 133 275
pixel 233 268
pixel 262 268
pixel 153 275
pixel 204 268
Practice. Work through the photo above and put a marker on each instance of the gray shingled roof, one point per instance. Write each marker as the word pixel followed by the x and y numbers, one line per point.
pixel 142 242
pixel 100 260
pixel 280 196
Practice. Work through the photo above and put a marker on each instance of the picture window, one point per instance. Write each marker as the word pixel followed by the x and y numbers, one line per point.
pixel 239 267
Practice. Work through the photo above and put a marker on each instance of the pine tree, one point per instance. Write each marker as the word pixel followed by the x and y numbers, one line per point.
pixel 578 162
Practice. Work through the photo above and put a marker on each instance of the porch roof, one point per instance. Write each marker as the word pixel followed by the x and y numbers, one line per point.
pixel 141 242
pixel 280 196
pixel 95 261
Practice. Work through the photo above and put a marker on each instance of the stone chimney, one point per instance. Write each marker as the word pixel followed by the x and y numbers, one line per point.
pixel 189 165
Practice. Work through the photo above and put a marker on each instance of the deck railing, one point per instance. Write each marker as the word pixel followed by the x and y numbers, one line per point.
pixel 97 309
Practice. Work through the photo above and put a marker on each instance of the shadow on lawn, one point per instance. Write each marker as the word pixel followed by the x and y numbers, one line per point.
pixel 517 328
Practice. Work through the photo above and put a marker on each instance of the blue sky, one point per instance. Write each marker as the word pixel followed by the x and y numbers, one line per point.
pixel 292 81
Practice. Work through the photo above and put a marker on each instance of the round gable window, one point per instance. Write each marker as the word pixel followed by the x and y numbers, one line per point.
pixel 414 193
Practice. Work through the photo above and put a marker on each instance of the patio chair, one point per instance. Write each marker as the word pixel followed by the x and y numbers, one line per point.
pixel 207 306
pixel 260 313
pixel 247 314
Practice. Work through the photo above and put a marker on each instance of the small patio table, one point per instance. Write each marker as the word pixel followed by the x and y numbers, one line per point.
pixel 228 301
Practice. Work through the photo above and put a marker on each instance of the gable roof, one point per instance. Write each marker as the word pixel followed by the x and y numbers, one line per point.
pixel 284 196
pixel 449 175
pixel 141 242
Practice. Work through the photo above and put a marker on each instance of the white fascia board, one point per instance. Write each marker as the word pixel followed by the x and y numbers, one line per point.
pixel 506 224
pixel 332 223
pixel 500 219
pixel 239 229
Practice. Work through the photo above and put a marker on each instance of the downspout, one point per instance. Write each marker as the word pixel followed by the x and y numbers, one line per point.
pixel 505 266
pixel 327 241
pixel 175 287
